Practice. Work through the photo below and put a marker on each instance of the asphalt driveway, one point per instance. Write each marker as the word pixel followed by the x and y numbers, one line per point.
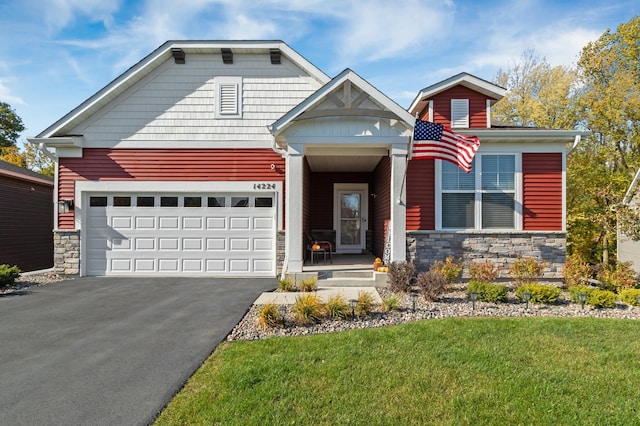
pixel 110 351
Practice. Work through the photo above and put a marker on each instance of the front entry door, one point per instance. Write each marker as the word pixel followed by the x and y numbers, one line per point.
pixel 350 217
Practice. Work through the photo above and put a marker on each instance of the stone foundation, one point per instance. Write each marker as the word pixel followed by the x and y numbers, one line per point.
pixel 501 249
pixel 280 245
pixel 66 252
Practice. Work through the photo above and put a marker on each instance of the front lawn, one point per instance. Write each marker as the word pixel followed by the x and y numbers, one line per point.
pixel 451 371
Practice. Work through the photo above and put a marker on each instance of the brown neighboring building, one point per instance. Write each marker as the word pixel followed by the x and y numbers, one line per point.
pixel 26 218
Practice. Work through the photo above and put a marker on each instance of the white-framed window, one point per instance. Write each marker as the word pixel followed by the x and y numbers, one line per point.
pixel 459 113
pixel 228 97
pixel 487 198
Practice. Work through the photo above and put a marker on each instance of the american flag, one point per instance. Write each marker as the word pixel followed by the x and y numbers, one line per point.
pixel 431 140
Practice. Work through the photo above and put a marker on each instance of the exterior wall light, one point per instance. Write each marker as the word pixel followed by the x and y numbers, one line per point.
pixel 65 206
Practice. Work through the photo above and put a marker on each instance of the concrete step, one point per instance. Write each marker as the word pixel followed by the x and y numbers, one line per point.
pixel 351 279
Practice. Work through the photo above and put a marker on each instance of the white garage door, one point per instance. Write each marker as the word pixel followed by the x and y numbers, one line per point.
pixel 187 234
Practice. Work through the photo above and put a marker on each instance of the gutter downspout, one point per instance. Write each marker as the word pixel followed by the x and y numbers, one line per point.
pixel 283 153
pixel 576 142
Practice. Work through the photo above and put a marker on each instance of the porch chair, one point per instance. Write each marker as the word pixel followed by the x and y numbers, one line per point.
pixel 324 245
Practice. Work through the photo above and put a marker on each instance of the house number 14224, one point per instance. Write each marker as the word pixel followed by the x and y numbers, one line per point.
pixel 264 186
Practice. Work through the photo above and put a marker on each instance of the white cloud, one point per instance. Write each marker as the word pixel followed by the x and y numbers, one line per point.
pixel 8 97
pixel 60 13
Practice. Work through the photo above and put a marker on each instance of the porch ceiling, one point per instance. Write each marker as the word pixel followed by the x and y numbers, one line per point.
pixel 332 163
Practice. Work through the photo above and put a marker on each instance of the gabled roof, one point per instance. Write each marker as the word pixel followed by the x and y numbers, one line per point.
pixel 390 109
pixel 159 56
pixel 11 170
pixel 464 79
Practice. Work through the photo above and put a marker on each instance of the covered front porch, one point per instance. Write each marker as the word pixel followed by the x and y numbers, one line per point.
pixel 346 152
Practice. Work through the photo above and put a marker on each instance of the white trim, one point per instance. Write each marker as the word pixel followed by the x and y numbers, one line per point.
pixel 431 111
pixel 477 169
pixel 488 113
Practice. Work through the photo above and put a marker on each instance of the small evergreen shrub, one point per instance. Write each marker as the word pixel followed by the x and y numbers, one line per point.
pixel 400 275
pixel 269 316
pixel 526 270
pixel 287 284
pixel 450 269
pixel 337 307
pixel 431 285
pixel 488 292
pixel 574 290
pixel 618 277
pixel 630 296
pixel 308 285
pixel 575 268
pixel 602 299
pixel 483 272
pixel 391 303
pixel 307 309
pixel 8 275
pixel 364 304
pixel 540 293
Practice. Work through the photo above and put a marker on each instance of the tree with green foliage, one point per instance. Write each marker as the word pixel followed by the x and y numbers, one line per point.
pixel 10 126
pixel 601 169
pixel 538 95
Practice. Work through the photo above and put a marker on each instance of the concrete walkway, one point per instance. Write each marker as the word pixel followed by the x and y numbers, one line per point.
pixel 289 298
pixel 110 351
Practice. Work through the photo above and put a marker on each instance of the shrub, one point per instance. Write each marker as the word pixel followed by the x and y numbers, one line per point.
pixel 450 269
pixel 488 292
pixel 526 270
pixel 617 277
pixel 364 303
pixel 8 275
pixel 308 285
pixel 286 284
pixel 431 284
pixel 391 303
pixel 269 316
pixel 483 272
pixel 540 293
pixel 574 290
pixel 602 299
pixel 630 296
pixel 400 275
pixel 307 309
pixel 574 269
pixel 337 307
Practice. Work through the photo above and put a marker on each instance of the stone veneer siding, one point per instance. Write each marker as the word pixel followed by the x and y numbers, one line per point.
pixel 66 252
pixel 280 243
pixel 501 249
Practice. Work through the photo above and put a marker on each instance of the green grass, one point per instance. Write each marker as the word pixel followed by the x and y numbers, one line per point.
pixel 488 371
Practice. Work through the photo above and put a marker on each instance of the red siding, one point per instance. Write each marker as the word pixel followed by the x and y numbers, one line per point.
pixel 381 204
pixel 166 165
pixel 26 224
pixel 542 191
pixel 421 195
pixel 442 107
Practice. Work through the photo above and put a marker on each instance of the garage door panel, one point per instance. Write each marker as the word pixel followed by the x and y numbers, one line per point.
pixel 168 244
pixel 120 244
pixel 192 244
pixel 145 222
pixel 121 222
pixel 216 244
pixel 145 243
pixel 199 240
pixel 171 222
pixel 192 223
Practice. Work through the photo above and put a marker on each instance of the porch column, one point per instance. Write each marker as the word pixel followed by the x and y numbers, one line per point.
pixel 294 253
pixel 398 154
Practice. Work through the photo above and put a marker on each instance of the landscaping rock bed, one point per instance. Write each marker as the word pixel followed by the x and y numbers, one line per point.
pixel 33 280
pixel 453 304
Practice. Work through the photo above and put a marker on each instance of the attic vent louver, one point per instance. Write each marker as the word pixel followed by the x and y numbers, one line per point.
pixel 178 55
pixel 227 55
pixel 275 56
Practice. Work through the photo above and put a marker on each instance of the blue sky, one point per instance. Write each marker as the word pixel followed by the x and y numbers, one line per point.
pixel 56 53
